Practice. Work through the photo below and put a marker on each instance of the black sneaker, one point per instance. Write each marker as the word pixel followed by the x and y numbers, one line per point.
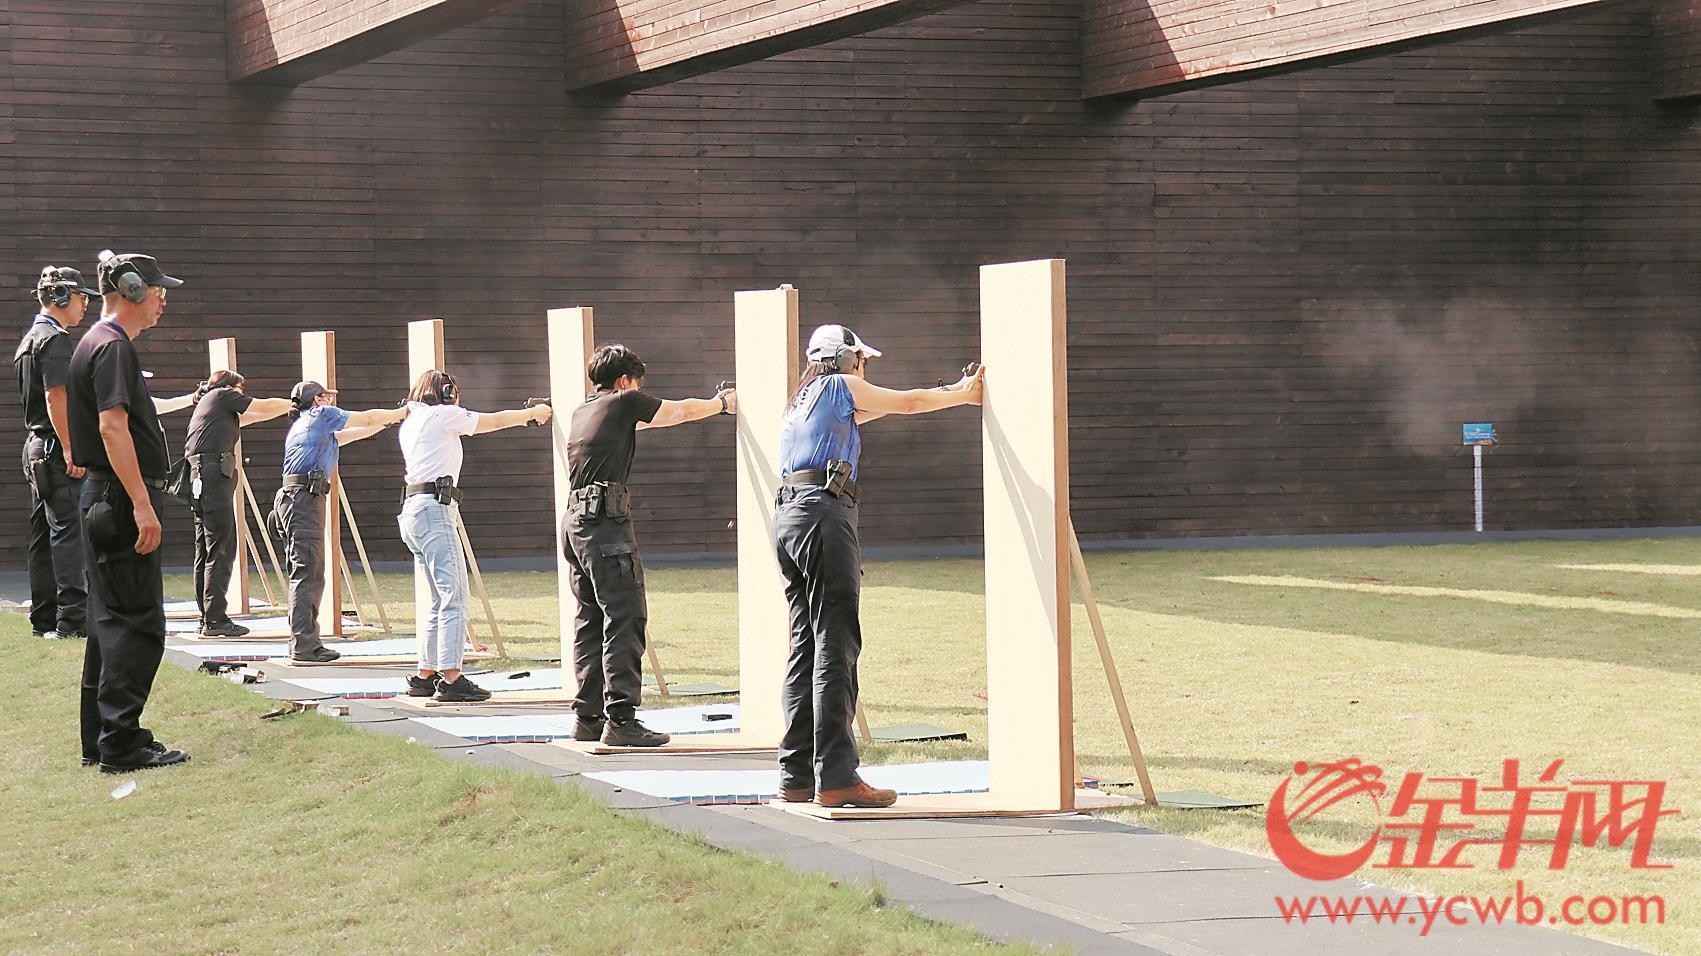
pixel 154 746
pixel 71 635
pixel 631 733
pixel 319 655
pixel 423 686
pixel 588 728
pixel 227 629
pixel 460 691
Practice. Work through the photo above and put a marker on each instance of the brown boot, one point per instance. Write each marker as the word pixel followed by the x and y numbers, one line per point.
pixel 797 794
pixel 861 795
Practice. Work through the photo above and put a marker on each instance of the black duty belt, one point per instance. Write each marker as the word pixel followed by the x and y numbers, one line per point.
pixel 817 478
pixel 432 488
pixel 607 499
pixel 101 474
pixel 314 481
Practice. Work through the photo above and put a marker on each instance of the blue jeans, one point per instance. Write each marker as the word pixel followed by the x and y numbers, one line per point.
pixel 428 529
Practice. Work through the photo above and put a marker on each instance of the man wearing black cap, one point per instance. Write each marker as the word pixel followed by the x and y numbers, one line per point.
pixel 115 436
pixel 318 428
pixel 43 362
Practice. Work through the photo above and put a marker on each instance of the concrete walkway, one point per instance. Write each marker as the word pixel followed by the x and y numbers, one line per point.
pixel 1091 885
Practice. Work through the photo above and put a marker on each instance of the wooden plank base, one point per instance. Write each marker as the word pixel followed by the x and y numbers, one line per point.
pixel 732 743
pixel 949 805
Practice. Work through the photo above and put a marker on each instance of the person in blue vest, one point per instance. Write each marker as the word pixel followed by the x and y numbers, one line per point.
pixel 318 429
pixel 815 520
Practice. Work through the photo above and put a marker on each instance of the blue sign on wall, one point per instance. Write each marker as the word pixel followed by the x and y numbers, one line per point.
pixel 1479 433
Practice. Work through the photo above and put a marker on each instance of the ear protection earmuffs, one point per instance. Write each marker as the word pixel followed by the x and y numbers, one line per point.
pixel 447 391
pixel 844 357
pixel 53 291
pixel 130 284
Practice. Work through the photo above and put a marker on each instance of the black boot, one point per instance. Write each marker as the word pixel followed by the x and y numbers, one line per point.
pixel 588 728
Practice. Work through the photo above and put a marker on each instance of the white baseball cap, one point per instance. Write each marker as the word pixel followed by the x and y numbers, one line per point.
pixel 828 339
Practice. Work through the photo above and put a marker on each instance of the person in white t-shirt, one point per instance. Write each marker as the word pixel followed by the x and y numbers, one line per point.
pixel 431 448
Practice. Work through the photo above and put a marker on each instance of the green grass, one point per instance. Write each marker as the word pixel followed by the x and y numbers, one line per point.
pixel 306 835
pixel 1232 683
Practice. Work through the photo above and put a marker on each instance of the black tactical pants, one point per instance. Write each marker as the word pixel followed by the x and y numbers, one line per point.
pixel 609 631
pixel 58 579
pixel 821 560
pixel 126 625
pixel 303 516
pixel 215 546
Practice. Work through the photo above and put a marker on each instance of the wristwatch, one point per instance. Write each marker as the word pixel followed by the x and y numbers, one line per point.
pixel 724 410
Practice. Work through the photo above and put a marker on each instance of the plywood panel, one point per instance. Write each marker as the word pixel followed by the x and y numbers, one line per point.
pixel 571 341
pixel 425 353
pixel 293 41
pixel 319 364
pixel 221 357
pixel 1025 448
pixel 766 337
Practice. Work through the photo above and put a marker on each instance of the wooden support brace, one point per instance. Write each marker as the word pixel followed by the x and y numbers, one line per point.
pixel 365 563
pixel 478 585
pixel 348 582
pixel 253 554
pixel 266 536
pixel 1079 562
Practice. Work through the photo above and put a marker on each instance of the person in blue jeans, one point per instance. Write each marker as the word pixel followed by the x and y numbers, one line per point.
pixel 431 512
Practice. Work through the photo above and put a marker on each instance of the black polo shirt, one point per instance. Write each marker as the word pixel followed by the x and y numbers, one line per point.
pixel 217 422
pixel 603 435
pixel 43 361
pixel 106 373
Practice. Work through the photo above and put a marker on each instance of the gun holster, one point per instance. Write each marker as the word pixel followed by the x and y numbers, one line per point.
pixel 838 476
pixel 446 490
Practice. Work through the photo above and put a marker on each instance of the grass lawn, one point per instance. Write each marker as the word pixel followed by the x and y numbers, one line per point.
pixel 304 835
pixel 1232 681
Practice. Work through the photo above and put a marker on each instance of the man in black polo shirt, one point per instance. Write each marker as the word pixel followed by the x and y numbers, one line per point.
pixel 116 436
pixel 43 362
pixel 601 548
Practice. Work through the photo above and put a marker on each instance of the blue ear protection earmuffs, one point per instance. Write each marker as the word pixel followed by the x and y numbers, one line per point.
pixel 447 392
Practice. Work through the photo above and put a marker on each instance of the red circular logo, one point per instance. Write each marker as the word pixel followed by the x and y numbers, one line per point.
pixel 1322 787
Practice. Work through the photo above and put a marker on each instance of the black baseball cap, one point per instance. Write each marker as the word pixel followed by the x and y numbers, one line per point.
pixel 304 393
pixel 55 277
pixel 112 266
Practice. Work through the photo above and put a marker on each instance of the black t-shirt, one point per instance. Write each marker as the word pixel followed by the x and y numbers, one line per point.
pixel 216 424
pixel 105 373
pixel 604 435
pixel 43 361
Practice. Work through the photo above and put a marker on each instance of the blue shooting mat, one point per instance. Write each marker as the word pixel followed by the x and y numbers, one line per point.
pixel 252 651
pixel 760 786
pixel 527 728
pixel 372 688
pixel 184 607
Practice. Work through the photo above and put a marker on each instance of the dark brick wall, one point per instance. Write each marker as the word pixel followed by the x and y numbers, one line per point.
pixel 1285 294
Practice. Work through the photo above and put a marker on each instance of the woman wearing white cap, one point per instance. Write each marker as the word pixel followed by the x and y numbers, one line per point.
pixel 815 535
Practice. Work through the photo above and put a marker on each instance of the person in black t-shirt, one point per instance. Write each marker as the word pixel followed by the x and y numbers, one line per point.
pixel 601 548
pixel 58 590
pixel 116 437
pixel 221 410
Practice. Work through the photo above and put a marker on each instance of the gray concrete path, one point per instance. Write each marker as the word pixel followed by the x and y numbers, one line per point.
pixel 1086 884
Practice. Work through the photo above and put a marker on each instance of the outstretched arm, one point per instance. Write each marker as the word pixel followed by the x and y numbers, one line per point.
pixel 873 401
pixel 496 421
pixel 679 411
pixel 368 423
pixel 264 409
pixel 165 406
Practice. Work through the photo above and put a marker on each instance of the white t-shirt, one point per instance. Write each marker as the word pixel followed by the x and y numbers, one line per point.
pixel 431 441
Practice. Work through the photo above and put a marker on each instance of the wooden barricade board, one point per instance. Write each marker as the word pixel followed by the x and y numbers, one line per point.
pixel 425 353
pixel 221 357
pixel 571 341
pixel 766 371
pixel 319 364
pixel 1025 450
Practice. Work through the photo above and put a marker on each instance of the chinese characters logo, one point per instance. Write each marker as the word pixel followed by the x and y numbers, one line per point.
pixel 1437 822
